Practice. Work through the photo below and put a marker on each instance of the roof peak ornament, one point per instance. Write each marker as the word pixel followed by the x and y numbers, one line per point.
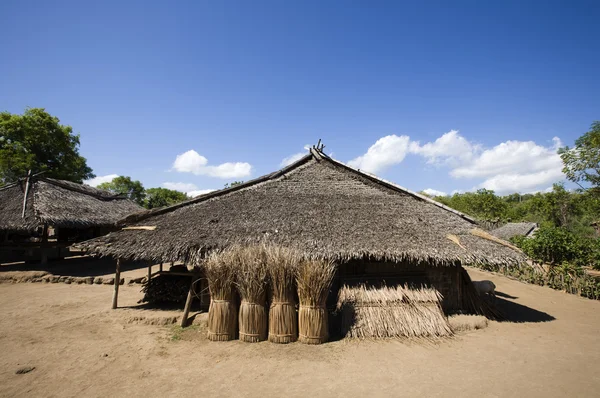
pixel 320 146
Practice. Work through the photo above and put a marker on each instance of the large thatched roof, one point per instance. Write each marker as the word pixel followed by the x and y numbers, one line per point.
pixel 317 205
pixel 60 204
pixel 513 229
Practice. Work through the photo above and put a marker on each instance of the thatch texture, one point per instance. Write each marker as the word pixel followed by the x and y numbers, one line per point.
pixel 318 206
pixel 313 278
pixel 513 229
pixel 385 312
pixel 250 265
pixel 60 204
pixel 222 312
pixel 282 264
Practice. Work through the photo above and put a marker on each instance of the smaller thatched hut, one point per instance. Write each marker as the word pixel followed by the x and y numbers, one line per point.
pixel 513 229
pixel 43 216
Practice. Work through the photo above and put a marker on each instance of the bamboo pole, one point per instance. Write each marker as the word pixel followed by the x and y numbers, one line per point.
pixel 117 283
pixel 188 302
pixel 26 193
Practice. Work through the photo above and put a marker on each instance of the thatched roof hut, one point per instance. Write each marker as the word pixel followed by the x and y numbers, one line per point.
pixel 59 204
pixel 316 205
pixel 513 229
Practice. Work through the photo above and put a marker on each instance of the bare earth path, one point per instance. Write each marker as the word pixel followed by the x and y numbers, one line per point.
pixel 80 348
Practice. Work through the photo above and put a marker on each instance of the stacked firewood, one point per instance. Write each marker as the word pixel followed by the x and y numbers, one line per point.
pixel 166 288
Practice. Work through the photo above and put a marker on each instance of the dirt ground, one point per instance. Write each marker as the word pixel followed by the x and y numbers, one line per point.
pixel 79 347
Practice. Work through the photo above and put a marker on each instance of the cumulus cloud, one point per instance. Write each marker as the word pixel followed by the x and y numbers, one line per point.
pixel 294 158
pixel 190 189
pixel 193 194
pixel 94 182
pixel 511 166
pixel 180 186
pixel 192 162
pixel 434 192
pixel 386 152
pixel 450 147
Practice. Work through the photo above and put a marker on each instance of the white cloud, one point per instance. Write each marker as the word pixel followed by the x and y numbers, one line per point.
pixel 192 162
pixel 180 186
pixel 94 182
pixel 528 182
pixel 294 158
pixel 510 157
pixel 511 166
pixel 386 152
pixel 193 194
pixel 434 192
pixel 190 189
pixel 450 147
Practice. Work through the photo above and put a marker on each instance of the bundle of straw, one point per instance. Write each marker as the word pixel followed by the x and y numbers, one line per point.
pixel 314 280
pixel 282 264
pixel 251 281
pixel 222 314
pixel 385 312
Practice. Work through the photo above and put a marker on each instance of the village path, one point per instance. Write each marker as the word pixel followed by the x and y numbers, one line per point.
pixel 81 348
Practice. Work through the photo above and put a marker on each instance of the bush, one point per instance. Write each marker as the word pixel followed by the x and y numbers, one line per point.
pixel 556 245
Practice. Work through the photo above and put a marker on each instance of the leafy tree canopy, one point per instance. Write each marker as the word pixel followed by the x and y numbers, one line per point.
pixel 160 197
pixel 121 185
pixel 582 163
pixel 37 141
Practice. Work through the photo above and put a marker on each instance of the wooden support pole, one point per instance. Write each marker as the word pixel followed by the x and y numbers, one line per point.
pixel 160 267
pixel 188 302
pixel 43 248
pixel 117 283
pixel 149 272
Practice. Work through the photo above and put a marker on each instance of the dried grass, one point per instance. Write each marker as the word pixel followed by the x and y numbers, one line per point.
pixel 388 312
pixel 250 264
pixel 282 264
pixel 314 279
pixel 222 313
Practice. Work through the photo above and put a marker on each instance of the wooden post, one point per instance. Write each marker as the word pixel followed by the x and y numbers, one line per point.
pixel 160 268
pixel 117 283
pixel 149 272
pixel 188 302
pixel 43 248
pixel 26 193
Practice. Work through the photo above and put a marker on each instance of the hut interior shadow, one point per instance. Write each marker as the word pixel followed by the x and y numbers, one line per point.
pixel 77 266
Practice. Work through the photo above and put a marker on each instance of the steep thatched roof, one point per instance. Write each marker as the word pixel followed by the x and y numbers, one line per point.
pixel 317 205
pixel 512 229
pixel 60 204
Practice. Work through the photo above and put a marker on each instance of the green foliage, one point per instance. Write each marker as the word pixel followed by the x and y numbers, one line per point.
pixel 160 197
pixel 37 141
pixel 121 185
pixel 233 184
pixel 483 204
pixel 582 163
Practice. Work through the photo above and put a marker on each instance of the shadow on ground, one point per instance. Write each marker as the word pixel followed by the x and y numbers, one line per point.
pixel 514 312
pixel 76 266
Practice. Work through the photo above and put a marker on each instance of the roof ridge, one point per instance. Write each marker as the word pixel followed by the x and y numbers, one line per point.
pixel 315 153
pixel 201 198
pixel 395 186
pixel 61 184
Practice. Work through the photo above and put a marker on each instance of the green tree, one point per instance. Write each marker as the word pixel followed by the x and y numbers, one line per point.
pixel 233 184
pixel 582 163
pixel 121 185
pixel 37 141
pixel 160 197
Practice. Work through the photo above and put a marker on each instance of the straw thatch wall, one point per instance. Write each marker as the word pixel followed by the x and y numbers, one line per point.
pixel 318 206
pixel 61 204
pixel 513 229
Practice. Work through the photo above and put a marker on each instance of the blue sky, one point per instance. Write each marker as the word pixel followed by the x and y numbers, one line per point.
pixel 236 87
